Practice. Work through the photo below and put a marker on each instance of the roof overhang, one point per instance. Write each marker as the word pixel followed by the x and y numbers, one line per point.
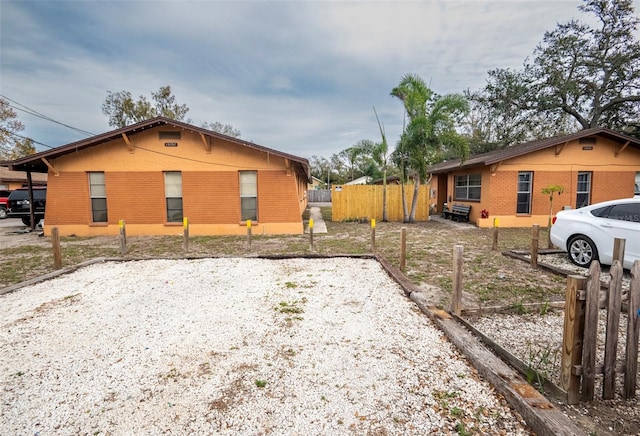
pixel 39 162
pixel 494 158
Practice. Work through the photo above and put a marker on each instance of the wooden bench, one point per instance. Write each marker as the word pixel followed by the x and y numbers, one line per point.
pixel 459 212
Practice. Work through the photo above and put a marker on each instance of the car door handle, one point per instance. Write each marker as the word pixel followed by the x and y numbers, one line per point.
pixel 607 225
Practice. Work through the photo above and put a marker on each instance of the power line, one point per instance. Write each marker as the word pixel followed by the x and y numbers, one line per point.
pixel 24 137
pixel 35 113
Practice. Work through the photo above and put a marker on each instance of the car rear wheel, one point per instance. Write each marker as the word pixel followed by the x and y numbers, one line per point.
pixel 26 220
pixel 582 251
pixel 3 213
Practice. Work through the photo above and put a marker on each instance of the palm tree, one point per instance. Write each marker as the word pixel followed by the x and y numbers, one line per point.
pixel 381 157
pixel 431 129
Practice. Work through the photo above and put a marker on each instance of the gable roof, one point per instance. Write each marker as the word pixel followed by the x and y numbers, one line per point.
pixel 35 162
pixel 496 156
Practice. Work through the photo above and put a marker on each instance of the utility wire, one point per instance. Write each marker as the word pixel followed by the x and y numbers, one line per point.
pixel 35 113
pixel 24 137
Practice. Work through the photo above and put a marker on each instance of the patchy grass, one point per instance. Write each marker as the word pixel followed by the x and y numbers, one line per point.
pixel 489 277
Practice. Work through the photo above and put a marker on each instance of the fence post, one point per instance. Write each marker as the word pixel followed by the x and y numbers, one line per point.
pixel 589 344
pixel 495 235
pixel 403 248
pixel 185 225
pixel 611 341
pixel 456 301
pixel 573 332
pixel 57 252
pixel 249 234
pixel 311 233
pixel 631 358
pixel 535 239
pixel 123 237
pixel 373 234
pixel 618 249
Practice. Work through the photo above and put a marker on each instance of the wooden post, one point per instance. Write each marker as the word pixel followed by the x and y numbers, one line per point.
pixel 456 301
pixel 123 237
pixel 535 239
pixel 495 235
pixel 185 225
pixel 249 234
pixel 590 342
pixel 373 234
pixel 611 339
pixel 573 332
pixel 311 233
pixel 631 358
pixel 403 248
pixel 57 252
pixel 618 249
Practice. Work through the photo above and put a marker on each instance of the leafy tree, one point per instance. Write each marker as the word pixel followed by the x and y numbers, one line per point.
pixel 338 169
pixel 431 131
pixel 225 129
pixel 581 77
pixel 321 169
pixel 356 157
pixel 12 144
pixel 123 111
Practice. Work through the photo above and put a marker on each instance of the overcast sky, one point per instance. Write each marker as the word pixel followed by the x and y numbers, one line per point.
pixel 300 76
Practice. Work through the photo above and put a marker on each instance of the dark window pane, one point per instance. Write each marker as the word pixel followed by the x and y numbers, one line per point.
pixel 249 208
pixel 474 193
pixel 468 187
pixel 523 203
pixel 99 210
pixel 582 200
pixel 174 210
pixel 475 179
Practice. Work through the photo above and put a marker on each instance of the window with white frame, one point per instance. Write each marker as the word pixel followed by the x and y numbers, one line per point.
pixel 98 194
pixel 249 195
pixel 583 190
pixel 525 183
pixel 173 195
pixel 468 187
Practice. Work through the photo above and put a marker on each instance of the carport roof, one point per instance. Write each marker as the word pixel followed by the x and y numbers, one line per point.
pixel 496 156
pixel 36 162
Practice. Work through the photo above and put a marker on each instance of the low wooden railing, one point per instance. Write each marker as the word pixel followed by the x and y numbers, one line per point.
pixel 584 300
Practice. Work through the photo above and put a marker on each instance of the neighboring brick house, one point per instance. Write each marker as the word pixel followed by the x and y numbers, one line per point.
pixel 157 172
pixel 592 165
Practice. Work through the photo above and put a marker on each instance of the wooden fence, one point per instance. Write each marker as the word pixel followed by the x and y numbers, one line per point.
pixel 319 196
pixel 356 202
pixel 579 345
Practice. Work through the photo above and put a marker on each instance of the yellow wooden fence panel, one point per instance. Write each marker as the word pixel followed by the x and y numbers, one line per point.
pixel 363 202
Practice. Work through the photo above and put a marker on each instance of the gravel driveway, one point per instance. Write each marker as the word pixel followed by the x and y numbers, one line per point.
pixel 234 346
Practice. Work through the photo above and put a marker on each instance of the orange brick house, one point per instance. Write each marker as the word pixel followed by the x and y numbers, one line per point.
pixel 157 172
pixel 592 165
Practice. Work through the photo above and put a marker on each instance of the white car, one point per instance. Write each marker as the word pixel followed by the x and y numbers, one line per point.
pixel 588 233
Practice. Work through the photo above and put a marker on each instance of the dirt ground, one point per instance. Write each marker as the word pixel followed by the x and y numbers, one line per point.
pixel 490 278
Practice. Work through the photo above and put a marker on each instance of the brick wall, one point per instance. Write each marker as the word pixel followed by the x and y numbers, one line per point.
pixel 211 197
pixel 276 197
pixel 73 206
pixel 136 197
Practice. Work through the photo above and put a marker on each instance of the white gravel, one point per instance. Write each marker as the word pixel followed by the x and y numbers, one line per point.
pixel 233 346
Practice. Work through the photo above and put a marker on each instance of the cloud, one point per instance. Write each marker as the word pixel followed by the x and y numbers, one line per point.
pixel 300 77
